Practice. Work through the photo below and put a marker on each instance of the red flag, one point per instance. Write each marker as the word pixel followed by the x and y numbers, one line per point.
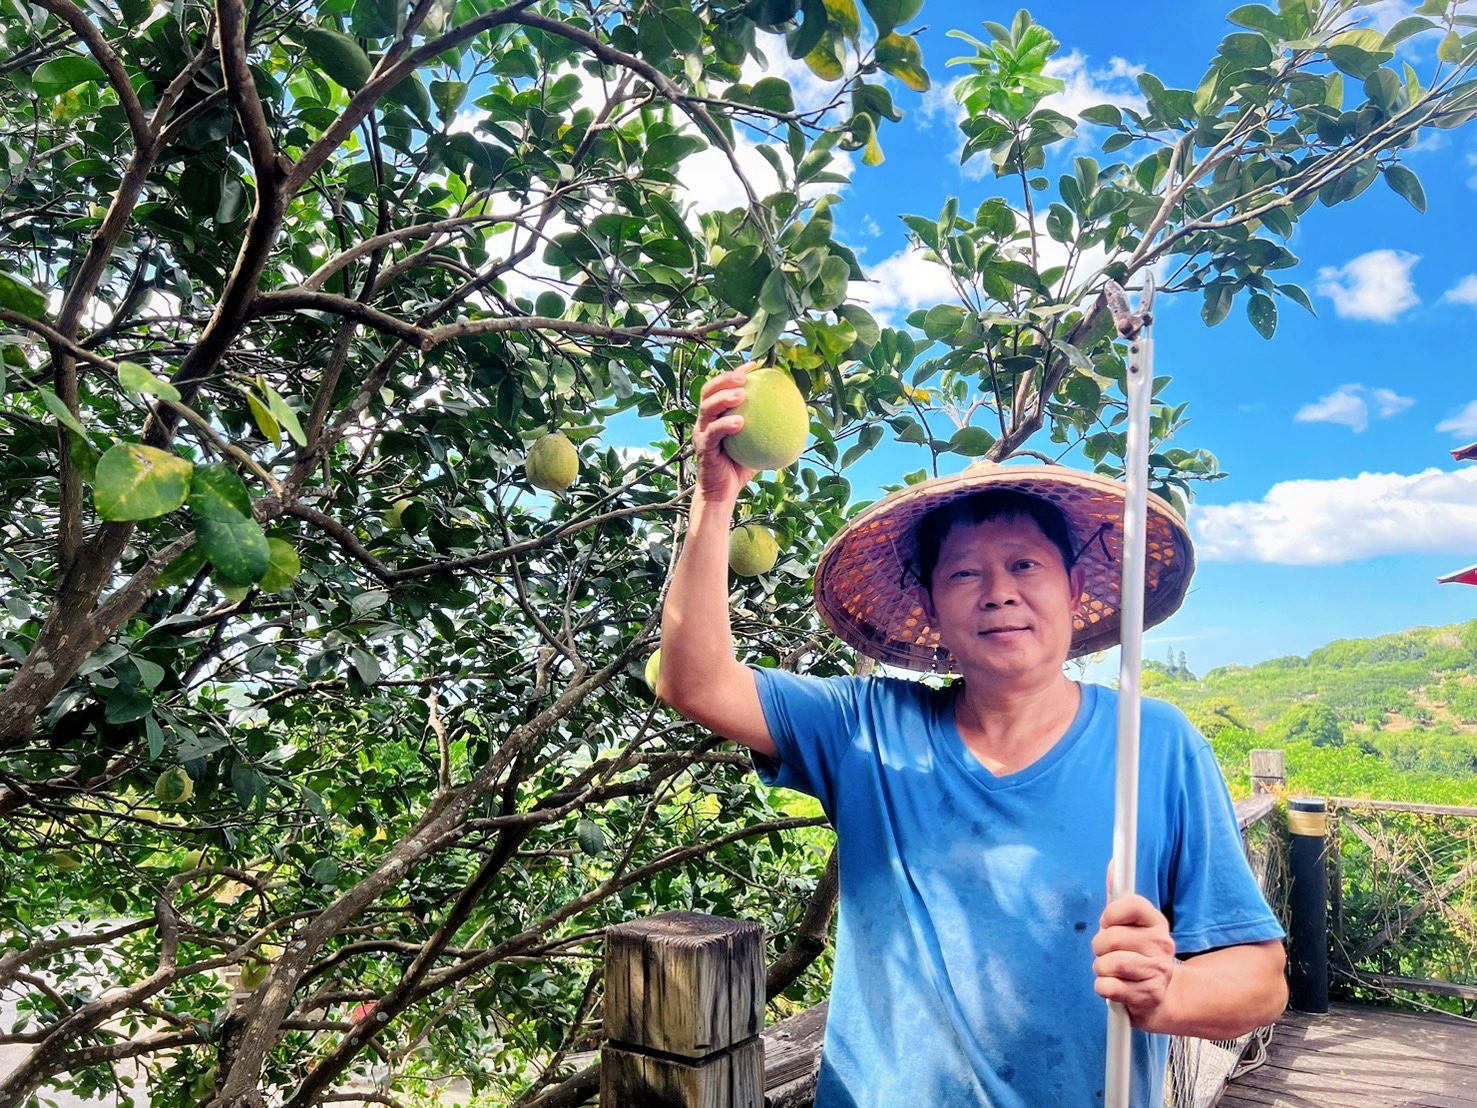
pixel 1466 576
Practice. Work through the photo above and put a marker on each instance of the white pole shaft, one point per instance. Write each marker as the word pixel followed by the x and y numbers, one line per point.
pixel 1131 601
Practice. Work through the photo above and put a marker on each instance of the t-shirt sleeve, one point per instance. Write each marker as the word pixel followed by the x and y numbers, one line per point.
pixel 1213 896
pixel 813 721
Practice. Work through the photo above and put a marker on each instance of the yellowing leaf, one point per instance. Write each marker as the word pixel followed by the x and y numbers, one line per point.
pixel 265 421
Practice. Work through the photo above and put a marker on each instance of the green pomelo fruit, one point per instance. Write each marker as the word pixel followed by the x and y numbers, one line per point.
pixel 63 861
pixel 254 972
pixel 653 669
pixel 393 514
pixel 174 786
pixel 339 56
pixel 776 422
pixel 752 550
pixel 552 463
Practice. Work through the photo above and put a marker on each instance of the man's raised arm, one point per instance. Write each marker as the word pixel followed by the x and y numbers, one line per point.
pixel 699 674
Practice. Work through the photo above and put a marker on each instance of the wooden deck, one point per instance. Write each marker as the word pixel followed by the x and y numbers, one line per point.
pixel 1359 1056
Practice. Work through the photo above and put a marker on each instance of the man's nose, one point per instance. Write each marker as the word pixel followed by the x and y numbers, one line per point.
pixel 997 590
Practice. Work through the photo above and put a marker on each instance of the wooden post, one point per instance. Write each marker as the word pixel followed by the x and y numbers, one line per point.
pixel 1268 770
pixel 684 1008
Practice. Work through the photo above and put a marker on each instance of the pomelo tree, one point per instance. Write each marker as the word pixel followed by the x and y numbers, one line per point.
pixel 288 293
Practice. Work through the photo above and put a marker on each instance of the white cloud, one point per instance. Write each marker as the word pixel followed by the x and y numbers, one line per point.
pixel 1117 83
pixel 1347 405
pixel 870 227
pixel 1463 424
pixel 1319 523
pixel 1463 292
pixel 811 93
pixel 1374 286
pixel 900 283
pixel 1385 14
pixel 1390 402
pixel 707 180
pixel 939 102
pixel 1344 405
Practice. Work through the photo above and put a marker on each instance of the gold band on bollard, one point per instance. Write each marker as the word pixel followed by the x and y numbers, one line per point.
pixel 1307 823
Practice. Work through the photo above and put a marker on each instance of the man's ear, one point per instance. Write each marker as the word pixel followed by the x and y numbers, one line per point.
pixel 924 599
pixel 1077 582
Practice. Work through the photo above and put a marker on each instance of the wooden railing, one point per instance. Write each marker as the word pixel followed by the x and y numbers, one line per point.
pixel 1405 919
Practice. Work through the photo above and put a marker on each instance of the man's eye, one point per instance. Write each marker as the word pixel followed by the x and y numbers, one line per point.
pixel 1026 563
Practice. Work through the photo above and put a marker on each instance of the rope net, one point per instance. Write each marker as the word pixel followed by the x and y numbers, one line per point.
pixel 1199 1068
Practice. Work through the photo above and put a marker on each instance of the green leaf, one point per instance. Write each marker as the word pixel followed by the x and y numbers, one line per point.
pixel 183 567
pixel 448 97
pixel 238 549
pixel 943 321
pixel 1296 294
pixel 83 456
pixel 375 18
pixel 366 664
pixel 900 56
pixel 1450 49
pixel 1105 115
pixel 773 94
pixel 1406 184
pixel 971 442
pixel 264 419
pixel 826 60
pixel 150 673
pixel 888 14
pixel 232 202
pixel 59 75
pixel 217 493
pixel 1410 25
pixel 1258 18
pixel 283 566
pixel 134 481
pixel 1350 183
pixel 21 298
pixel 868 334
pixel 283 414
pixel 590 838
pixel 135 378
pixel 126 705
pixel 56 407
pixel 324 871
pixel 829 289
pixel 1217 304
pixel 1262 311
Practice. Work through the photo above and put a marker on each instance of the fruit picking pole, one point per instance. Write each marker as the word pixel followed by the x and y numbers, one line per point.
pixel 1139 386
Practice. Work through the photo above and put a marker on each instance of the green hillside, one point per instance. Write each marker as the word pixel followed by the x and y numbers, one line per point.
pixel 1393 717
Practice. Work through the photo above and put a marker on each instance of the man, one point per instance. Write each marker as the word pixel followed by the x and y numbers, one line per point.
pixel 974 821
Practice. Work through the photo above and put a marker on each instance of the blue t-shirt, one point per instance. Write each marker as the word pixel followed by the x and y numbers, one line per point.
pixel 963 973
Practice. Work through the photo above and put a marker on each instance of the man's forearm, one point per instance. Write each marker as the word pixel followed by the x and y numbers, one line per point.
pixel 1224 994
pixel 696 635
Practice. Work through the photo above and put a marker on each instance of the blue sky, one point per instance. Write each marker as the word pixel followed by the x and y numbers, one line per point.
pixel 1343 504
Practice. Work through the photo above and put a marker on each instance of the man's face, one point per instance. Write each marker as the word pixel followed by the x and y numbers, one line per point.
pixel 1003 600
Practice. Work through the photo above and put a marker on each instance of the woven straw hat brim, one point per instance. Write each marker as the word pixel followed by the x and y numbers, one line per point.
pixel 863 582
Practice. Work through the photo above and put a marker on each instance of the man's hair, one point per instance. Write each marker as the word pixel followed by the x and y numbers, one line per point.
pixel 980 507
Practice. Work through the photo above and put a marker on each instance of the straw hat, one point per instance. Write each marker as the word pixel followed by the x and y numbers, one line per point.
pixel 862 582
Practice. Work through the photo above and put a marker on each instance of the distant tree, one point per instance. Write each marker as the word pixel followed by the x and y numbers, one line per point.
pixel 1214 715
pixel 1315 723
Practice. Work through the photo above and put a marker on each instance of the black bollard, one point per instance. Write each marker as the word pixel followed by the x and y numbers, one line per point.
pixel 1307 938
